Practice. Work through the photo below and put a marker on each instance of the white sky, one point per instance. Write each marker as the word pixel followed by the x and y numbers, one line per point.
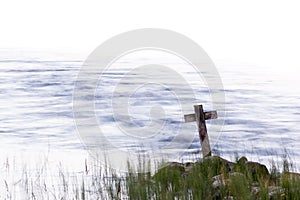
pixel 265 33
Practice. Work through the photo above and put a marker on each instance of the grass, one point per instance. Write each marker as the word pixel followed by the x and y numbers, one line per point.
pixel 210 179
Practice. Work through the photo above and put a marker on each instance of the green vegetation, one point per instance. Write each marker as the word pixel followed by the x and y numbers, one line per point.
pixel 216 178
pixel 212 178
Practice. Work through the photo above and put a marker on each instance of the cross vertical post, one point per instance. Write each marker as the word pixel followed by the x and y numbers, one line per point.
pixel 200 116
pixel 204 141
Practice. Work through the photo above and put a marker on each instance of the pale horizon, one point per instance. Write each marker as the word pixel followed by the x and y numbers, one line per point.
pixel 264 33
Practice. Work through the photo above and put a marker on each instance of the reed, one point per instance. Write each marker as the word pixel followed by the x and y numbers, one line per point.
pixel 209 179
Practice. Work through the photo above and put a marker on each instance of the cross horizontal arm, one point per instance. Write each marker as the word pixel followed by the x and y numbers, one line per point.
pixel 207 115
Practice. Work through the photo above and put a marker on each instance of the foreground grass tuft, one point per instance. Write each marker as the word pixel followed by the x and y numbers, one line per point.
pixel 211 178
pixel 216 178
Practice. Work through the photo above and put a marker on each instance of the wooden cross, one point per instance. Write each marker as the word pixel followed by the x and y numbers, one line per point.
pixel 200 116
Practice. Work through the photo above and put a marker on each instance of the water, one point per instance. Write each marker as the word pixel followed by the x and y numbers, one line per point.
pixel 262 110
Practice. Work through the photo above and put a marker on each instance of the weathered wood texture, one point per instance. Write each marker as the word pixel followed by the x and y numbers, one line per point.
pixel 200 116
pixel 207 115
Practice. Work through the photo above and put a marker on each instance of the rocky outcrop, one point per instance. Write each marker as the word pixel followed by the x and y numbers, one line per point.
pixel 236 178
pixel 254 169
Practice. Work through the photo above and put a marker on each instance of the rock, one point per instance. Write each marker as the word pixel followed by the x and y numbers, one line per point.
pixel 292 175
pixel 220 180
pixel 221 162
pixel 176 165
pixel 275 191
pixel 172 166
pixel 225 178
pixel 242 160
pixel 170 170
pixel 189 167
pixel 255 190
pixel 228 198
pixel 256 170
pixel 233 182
